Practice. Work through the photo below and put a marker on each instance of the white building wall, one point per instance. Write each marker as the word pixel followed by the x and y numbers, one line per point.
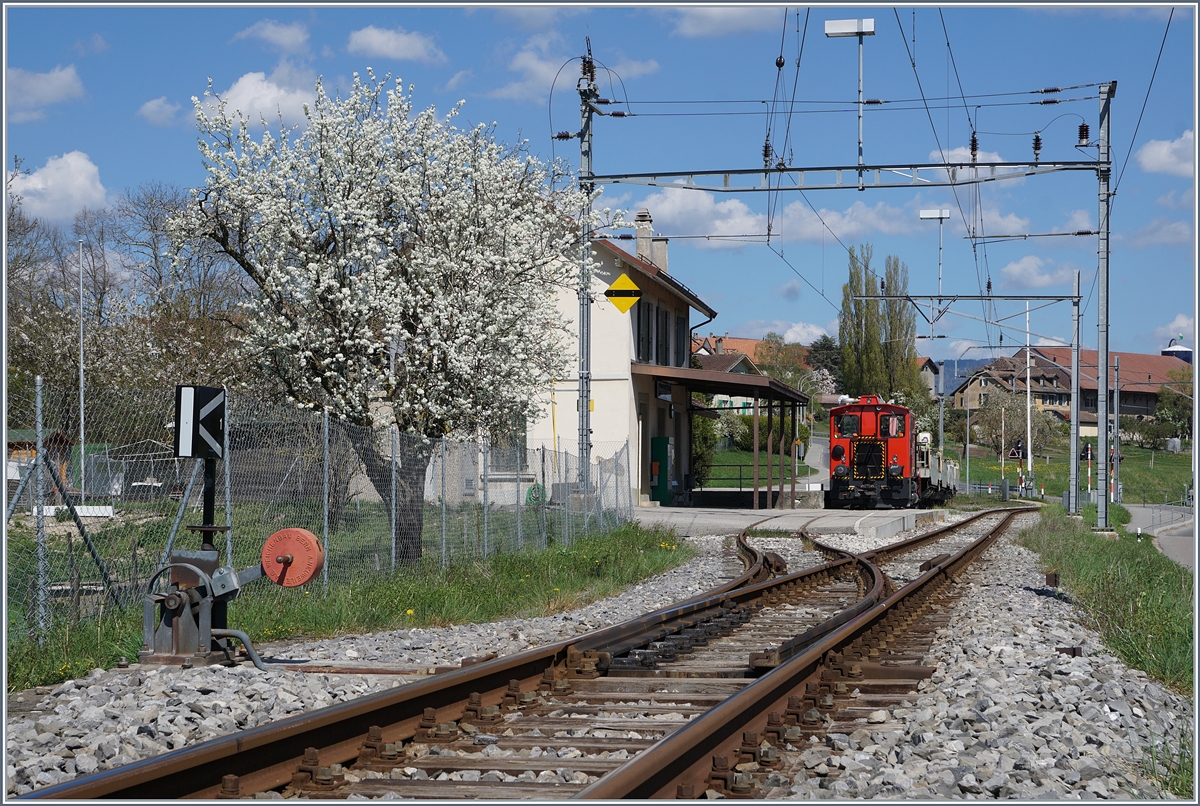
pixel 615 399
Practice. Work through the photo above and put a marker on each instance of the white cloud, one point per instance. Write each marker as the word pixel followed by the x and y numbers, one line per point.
pixel 631 68
pixel 292 38
pixel 962 154
pixel 1163 231
pixel 1078 221
pixel 61 188
pixel 1032 271
pixel 791 290
pixel 398 44
pixel 725 20
pixel 793 332
pixel 803 333
pixel 457 79
pixel 284 93
pixel 1183 200
pixel 1174 157
pixel 93 44
pixel 1182 325
pixel 159 111
pixel 537 69
pixel 29 92
pixel 997 223
pixel 538 17
pixel 1051 341
pixel 695 212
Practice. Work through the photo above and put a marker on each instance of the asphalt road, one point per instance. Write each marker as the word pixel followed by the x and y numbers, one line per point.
pixel 1173 528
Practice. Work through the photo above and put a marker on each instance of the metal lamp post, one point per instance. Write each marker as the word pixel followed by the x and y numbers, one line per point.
pixel 940 215
pixel 859 28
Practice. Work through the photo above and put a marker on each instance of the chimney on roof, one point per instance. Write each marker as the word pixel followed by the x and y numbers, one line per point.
pixel 719 343
pixel 658 252
pixel 643 224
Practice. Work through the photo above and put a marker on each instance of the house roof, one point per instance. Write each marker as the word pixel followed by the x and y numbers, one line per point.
pixel 925 362
pixel 728 362
pixel 1140 372
pixel 657 275
pixel 726 383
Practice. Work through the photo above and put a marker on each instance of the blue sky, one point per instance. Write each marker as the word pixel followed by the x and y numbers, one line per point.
pixel 98 100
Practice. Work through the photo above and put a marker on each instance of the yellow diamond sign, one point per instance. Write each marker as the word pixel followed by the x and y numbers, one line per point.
pixel 623 293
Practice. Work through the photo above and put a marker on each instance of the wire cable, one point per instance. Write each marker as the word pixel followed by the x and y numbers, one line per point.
pixel 1144 102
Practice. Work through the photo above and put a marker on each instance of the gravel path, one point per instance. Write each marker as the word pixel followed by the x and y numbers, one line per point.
pixel 1005 715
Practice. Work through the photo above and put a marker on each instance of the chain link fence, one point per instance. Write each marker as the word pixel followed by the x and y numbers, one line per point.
pixel 378 500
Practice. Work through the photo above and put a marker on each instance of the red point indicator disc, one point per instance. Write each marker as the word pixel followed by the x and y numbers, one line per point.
pixel 292 556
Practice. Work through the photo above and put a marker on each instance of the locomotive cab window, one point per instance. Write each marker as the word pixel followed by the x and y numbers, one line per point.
pixel 891 425
pixel 846 424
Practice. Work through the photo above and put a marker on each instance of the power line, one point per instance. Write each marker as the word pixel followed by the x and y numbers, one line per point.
pixel 1144 102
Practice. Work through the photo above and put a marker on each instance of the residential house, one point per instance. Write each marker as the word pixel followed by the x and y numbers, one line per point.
pixel 1050 382
pixel 929 372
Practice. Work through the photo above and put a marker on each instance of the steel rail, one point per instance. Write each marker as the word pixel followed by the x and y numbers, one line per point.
pixel 685 756
pixel 267 756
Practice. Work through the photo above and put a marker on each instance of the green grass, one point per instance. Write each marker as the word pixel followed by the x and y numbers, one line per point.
pixel 520 584
pixel 727 464
pixel 1138 600
pixel 1141 483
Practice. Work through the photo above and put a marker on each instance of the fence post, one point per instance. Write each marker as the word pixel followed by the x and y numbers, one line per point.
pixel 486 462
pixel 325 501
pixel 393 497
pixel 228 494
pixel 542 507
pixel 520 540
pixel 43 567
pixel 443 502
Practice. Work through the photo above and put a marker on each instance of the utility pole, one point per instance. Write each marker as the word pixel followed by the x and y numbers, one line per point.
pixel 1116 462
pixel 588 94
pixel 1073 478
pixel 1028 401
pixel 1104 172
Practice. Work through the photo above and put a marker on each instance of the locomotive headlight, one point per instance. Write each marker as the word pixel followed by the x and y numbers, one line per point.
pixel 841 470
pixel 895 470
pixel 838 452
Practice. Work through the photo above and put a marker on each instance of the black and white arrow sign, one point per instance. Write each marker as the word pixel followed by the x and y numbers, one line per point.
pixel 199 421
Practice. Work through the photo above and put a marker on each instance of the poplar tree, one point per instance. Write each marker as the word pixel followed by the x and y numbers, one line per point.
pixel 859 332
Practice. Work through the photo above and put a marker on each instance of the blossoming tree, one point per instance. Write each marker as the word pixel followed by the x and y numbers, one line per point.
pixel 404 269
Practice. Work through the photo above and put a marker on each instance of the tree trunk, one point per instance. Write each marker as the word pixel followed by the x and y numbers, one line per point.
pixel 412 462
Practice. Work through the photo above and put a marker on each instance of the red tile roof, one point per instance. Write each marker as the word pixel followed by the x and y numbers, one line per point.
pixel 1140 372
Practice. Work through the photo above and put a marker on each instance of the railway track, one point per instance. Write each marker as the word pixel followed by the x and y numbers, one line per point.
pixel 718 692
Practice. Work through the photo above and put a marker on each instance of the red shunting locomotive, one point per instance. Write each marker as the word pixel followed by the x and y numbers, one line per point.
pixel 876 458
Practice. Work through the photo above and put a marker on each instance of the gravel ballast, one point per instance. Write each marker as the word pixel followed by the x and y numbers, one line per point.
pixel 1004 716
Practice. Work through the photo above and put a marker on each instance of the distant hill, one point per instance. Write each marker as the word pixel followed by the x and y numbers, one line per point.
pixel 965 367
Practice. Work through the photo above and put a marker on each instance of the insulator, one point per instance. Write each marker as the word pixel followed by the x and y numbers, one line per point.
pixel 989 286
pixel 1050 102
pixel 1084 134
pixel 619 114
pixel 873 102
pixel 882 287
pixel 780 62
pixel 563 136
pixel 974 146
pixel 767 152
pixel 604 101
pixel 1050 90
pixel 1037 145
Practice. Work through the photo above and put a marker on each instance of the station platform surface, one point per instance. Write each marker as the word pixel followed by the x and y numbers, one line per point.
pixel 695 521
